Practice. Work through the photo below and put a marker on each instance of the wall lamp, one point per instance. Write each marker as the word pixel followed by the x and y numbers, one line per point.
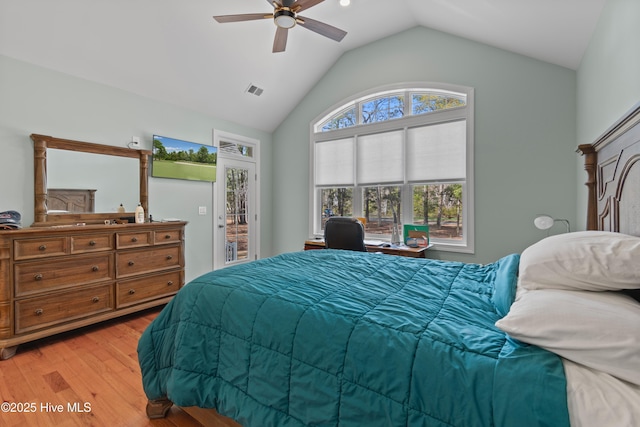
pixel 545 222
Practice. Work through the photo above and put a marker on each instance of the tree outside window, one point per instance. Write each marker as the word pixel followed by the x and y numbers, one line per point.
pixel 439 206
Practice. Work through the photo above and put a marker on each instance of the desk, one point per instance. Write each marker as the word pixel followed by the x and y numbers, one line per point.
pixel 396 250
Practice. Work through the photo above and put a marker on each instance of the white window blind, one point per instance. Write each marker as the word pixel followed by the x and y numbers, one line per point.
pixel 437 152
pixel 380 158
pixel 334 162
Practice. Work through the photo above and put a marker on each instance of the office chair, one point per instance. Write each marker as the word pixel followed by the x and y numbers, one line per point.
pixel 344 233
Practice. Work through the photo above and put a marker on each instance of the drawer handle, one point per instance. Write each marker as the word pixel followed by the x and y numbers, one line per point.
pixel 42 247
pixel 132 291
pixel 92 243
pixel 134 239
pixel 95 268
pixel 167 236
pixel 131 262
pixel 169 257
pixel 37 277
pixel 39 312
pixel 170 283
pixel 95 299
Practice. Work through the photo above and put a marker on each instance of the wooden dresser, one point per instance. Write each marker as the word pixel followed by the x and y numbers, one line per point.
pixel 55 279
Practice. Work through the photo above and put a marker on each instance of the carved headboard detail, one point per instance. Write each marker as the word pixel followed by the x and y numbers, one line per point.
pixel 613 167
pixel 71 200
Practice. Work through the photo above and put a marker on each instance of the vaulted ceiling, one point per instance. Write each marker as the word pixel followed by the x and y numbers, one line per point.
pixel 174 51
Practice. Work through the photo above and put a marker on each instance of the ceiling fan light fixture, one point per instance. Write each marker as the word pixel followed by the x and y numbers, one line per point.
pixel 284 18
pixel 345 3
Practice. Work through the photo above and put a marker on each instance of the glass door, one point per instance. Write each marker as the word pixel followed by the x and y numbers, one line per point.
pixel 236 214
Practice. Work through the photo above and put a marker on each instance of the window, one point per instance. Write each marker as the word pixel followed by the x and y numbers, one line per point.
pixel 403 156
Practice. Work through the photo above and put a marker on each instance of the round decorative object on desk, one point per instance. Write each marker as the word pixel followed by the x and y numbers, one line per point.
pixel 416 242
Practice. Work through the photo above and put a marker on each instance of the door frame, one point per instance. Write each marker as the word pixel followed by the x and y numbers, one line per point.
pixel 218 233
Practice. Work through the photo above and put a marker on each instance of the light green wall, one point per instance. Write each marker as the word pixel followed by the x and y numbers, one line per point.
pixel 608 78
pixel 524 139
pixel 37 100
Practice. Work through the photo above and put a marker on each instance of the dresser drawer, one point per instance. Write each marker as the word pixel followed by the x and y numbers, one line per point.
pixel 133 239
pixel 34 277
pixel 5 320
pixel 134 291
pixel 40 312
pixel 39 248
pixel 161 237
pixel 147 261
pixel 95 243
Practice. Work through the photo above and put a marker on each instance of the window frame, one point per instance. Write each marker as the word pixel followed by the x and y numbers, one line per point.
pixel 467 244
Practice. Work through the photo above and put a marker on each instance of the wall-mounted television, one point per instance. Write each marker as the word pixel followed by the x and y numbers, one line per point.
pixel 178 159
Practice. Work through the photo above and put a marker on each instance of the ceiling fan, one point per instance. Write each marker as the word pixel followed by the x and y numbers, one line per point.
pixel 285 16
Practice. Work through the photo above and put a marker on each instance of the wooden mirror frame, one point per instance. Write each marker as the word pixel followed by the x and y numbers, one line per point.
pixel 40 145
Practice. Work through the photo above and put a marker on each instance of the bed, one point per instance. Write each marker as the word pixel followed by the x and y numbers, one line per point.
pixel 547 337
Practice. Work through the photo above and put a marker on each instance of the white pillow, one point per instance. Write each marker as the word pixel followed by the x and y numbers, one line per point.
pixel 600 330
pixel 587 260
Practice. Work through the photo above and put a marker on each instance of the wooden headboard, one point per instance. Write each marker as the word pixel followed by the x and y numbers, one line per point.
pixel 71 200
pixel 613 167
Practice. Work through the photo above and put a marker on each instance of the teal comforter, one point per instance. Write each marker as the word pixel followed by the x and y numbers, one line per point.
pixel 339 338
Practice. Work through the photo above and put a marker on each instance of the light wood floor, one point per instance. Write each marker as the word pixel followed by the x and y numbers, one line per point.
pixel 94 369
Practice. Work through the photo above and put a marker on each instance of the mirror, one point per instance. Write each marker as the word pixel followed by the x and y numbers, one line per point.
pixel 113 180
pixel 82 182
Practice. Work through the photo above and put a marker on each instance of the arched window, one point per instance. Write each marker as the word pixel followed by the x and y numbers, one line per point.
pixel 398 155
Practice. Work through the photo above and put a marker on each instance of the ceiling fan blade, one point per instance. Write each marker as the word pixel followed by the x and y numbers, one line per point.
pixel 280 41
pixel 244 17
pixel 321 28
pixel 301 5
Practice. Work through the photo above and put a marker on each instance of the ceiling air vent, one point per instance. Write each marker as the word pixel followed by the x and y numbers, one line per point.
pixel 254 90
